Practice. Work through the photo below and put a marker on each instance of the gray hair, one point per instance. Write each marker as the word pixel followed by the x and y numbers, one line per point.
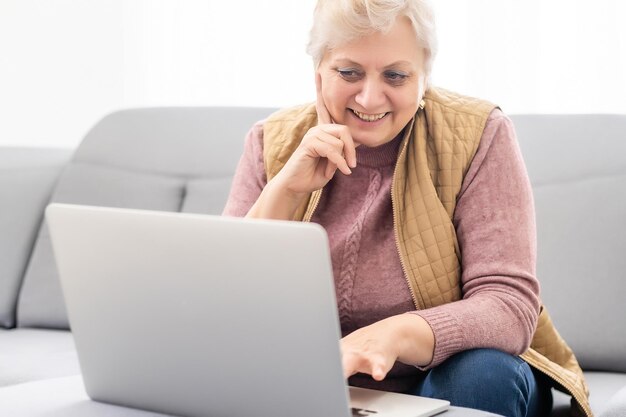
pixel 336 22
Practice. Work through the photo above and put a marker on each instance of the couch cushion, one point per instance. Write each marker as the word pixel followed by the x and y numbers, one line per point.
pixel 60 397
pixel 577 165
pixel 200 194
pixel 603 386
pixel 35 354
pixel 616 407
pixel 168 159
pixel 27 176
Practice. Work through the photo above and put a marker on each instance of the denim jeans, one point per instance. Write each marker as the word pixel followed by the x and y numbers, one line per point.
pixel 489 380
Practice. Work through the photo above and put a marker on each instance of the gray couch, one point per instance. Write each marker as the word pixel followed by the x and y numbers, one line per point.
pixel 182 159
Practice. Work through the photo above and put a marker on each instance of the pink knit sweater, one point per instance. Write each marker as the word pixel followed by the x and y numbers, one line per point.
pixel 495 224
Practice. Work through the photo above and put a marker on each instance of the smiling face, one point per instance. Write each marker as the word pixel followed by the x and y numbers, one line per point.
pixel 374 84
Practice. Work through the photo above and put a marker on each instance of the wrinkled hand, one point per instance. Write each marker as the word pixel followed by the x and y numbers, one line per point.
pixel 369 350
pixel 375 348
pixel 324 149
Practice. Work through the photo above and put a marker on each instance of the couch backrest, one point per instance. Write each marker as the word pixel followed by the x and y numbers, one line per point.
pixel 577 166
pixel 27 176
pixel 172 159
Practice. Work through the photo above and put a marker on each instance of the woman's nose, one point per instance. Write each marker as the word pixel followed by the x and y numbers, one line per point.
pixel 371 96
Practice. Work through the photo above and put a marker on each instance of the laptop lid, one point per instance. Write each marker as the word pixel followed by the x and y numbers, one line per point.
pixel 202 315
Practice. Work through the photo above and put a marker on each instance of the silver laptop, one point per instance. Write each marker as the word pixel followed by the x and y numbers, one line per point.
pixel 198 315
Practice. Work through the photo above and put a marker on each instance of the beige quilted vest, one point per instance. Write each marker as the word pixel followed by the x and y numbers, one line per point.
pixel 434 156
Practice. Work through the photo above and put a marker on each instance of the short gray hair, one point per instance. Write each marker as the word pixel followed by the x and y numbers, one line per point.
pixel 336 22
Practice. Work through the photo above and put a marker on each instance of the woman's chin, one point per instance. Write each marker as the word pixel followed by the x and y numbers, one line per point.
pixel 369 139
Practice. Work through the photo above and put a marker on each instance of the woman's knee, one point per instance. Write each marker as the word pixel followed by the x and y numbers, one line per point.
pixel 482 368
pixel 486 379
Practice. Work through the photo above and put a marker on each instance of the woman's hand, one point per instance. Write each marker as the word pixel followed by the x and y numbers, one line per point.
pixel 324 149
pixel 374 349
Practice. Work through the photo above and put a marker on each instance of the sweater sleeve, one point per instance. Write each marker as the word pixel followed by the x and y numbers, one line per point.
pixel 495 224
pixel 249 179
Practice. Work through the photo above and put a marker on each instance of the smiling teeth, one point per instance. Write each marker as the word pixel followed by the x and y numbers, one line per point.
pixel 369 117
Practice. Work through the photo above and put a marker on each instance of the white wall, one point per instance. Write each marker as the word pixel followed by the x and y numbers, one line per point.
pixel 61 68
pixel 534 56
pixel 66 63
pixel 210 53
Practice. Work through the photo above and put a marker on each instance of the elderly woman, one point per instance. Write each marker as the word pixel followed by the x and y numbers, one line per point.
pixel 429 213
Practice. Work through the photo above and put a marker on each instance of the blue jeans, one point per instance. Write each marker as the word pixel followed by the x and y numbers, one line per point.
pixel 489 380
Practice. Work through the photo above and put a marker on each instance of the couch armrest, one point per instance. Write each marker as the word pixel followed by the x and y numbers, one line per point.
pixel 27 176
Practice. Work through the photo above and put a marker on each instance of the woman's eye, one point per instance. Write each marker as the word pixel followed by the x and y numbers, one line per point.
pixel 395 77
pixel 349 74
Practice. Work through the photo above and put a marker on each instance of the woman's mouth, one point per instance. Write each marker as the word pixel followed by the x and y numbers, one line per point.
pixel 368 117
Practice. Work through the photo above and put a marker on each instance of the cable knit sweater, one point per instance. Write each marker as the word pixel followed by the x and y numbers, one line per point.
pixel 494 220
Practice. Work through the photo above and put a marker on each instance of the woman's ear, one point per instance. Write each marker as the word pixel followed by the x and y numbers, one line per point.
pixel 421 90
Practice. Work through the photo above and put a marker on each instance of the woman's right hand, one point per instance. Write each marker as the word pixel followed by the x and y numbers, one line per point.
pixel 324 149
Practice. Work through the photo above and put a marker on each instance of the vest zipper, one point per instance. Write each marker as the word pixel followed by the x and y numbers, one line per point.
pixel 396 234
pixel 312 206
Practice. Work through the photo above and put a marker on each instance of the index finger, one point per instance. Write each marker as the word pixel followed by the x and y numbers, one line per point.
pixel 343 134
pixel 323 116
pixel 364 364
